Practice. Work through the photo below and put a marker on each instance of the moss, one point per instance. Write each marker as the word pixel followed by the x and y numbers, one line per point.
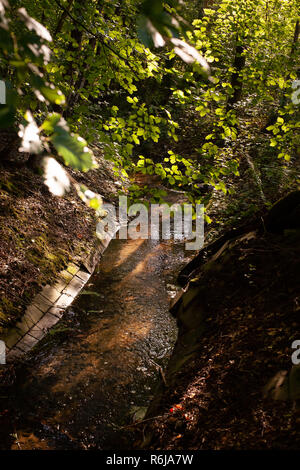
pixel 9 312
pixel 72 269
pixel 48 264
pixel 40 235
pixel 66 276
pixel 7 185
pixel 3 315
pixel 42 255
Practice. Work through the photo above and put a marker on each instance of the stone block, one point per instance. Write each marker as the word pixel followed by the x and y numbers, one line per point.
pixel 93 259
pixel 12 337
pixel 73 269
pixel 50 293
pixel 61 284
pixel 65 276
pixel 33 313
pixel 44 324
pixel 37 332
pixel 25 324
pixel 58 312
pixel 64 301
pixel 83 275
pixel 74 286
pixel 41 303
pixel 27 343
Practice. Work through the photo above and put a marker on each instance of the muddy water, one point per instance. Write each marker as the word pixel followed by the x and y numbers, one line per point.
pixel 98 369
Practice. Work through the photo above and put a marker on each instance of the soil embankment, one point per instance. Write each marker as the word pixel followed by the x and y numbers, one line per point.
pixel 237 322
pixel 41 233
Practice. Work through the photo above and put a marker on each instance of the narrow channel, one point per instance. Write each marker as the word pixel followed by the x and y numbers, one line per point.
pixel 97 371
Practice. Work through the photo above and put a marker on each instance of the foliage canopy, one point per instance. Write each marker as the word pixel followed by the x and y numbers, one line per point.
pixel 181 90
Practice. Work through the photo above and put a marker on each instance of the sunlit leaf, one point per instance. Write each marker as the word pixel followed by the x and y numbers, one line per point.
pixel 34 25
pixel 188 53
pixel 52 94
pixel 55 177
pixel 73 149
pixel 30 136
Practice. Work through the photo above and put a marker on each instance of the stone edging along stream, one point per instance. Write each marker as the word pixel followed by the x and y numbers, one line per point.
pixel 48 307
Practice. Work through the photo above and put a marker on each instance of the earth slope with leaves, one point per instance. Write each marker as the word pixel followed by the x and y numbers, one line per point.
pixel 237 323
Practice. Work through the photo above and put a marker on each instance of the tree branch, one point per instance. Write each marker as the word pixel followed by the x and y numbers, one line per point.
pixel 98 36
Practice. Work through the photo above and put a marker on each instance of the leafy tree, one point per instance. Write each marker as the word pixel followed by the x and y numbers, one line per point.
pixel 138 79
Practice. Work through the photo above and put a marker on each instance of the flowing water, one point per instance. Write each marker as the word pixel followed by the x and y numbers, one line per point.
pixel 96 372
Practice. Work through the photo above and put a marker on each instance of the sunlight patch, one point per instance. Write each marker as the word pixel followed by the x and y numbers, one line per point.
pixel 55 177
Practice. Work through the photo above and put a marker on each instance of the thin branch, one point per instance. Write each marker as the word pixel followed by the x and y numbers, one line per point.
pixel 98 36
pixel 62 18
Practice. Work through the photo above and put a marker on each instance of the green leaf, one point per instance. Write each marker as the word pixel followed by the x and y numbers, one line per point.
pixel 51 122
pixel 52 94
pixel 73 149
pixel 281 83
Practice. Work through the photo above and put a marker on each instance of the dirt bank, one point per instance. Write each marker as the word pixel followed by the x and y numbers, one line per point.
pixel 237 322
pixel 40 233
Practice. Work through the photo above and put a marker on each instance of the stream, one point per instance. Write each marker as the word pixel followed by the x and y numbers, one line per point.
pixel 96 371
